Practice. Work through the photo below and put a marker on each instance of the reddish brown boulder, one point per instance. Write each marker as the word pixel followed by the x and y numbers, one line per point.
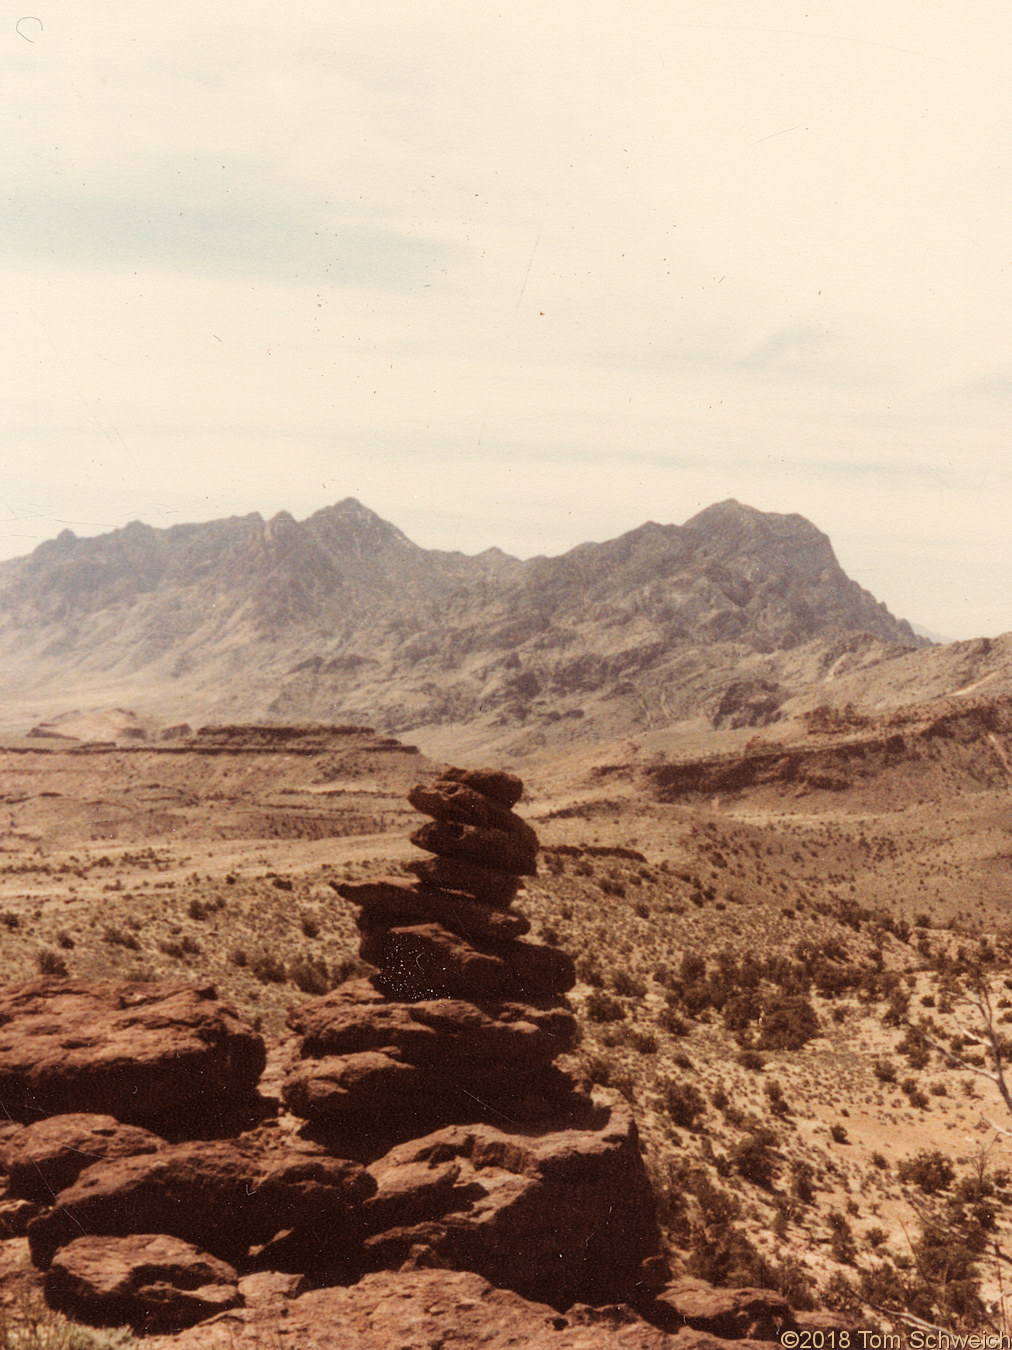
pixel 454 874
pixel 425 961
pixel 498 786
pixel 151 1281
pixel 563 1216
pixel 456 802
pixel 170 1057
pixel 452 1033
pixel 223 1195
pixel 424 1307
pixel 48 1156
pixel 410 1192
pixel 375 1098
pixel 493 849
pixel 758 1314
pixel 393 902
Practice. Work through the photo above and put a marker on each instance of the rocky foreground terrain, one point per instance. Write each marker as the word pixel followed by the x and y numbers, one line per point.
pixel 410 1164
pixel 739 977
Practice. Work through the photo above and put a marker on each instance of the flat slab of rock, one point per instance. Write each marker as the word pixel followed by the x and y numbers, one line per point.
pixel 393 902
pixel 445 1031
pixel 151 1281
pixel 223 1195
pixel 496 784
pixel 374 1099
pixel 170 1057
pixel 426 961
pixel 46 1157
pixel 446 800
pixel 455 874
pixel 494 849
pixel 416 1308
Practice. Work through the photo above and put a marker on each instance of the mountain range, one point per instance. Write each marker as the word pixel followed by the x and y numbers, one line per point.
pixel 342 618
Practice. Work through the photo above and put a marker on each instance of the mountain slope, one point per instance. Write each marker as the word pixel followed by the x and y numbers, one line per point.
pixel 341 617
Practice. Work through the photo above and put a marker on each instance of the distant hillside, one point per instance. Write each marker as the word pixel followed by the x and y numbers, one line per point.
pixel 342 618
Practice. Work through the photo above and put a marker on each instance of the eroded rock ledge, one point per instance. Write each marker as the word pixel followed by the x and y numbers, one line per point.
pixel 431 1169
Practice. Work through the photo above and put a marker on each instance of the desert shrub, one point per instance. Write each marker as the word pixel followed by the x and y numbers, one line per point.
pixel 589 972
pixel 948 1279
pixel 880 1161
pixel 627 984
pixel 884 1070
pixel 754 1158
pixel 741 1010
pixel 898 1007
pixel 348 968
pixel 788 1023
pixel 684 1103
pixel 598 1069
pixel 838 1133
pixel 670 1021
pixel 310 924
pixel 643 1042
pixel 803 1181
pixel 191 946
pixel 282 883
pixel 169 947
pixel 50 962
pixel 268 967
pixel 751 1059
pixel 930 1170
pixel 875 1237
pixel 65 940
pixel 914 1094
pixel 775 1095
pixel 10 920
pixel 601 1007
pixel 841 1241
pixel 309 974
pixel 915 1049
pixel 239 957
pixel 693 968
pixel 198 910
pixel 119 937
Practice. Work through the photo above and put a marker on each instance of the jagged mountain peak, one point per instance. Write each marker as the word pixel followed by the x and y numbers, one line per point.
pixel 341 616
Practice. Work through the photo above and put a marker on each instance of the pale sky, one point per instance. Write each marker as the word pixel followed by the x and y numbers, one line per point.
pixel 518 275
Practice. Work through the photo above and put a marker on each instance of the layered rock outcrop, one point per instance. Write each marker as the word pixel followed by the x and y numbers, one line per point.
pixel 426 1129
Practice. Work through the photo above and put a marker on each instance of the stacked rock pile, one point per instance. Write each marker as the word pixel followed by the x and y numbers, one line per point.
pixel 428 1130
pixel 464 1018
pixel 451 933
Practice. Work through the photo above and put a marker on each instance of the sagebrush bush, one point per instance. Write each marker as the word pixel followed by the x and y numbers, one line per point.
pixel 601 1007
pixel 50 962
pixel 683 1102
pixel 930 1169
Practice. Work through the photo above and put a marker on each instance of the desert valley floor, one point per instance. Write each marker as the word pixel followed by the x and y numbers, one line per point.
pixel 756 920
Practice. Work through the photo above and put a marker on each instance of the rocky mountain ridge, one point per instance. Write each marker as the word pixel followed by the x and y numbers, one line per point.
pixel 342 618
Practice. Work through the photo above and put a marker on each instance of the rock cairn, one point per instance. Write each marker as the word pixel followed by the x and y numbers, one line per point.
pixel 452 933
pixel 464 1018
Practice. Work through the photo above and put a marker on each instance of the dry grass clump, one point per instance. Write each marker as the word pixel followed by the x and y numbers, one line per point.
pixel 26 1323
